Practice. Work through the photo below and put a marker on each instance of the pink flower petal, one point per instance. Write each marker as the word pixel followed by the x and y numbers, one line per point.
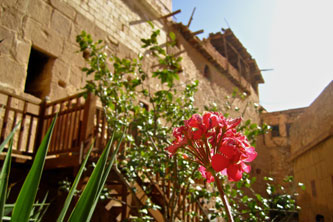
pixel 219 162
pixel 234 173
pixel 245 168
pixel 251 154
pixel 206 174
pixel 232 123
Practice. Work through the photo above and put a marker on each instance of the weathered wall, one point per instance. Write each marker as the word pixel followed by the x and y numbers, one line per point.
pixel 51 27
pixel 315 169
pixel 217 87
pixel 317 120
pixel 274 149
pixel 311 153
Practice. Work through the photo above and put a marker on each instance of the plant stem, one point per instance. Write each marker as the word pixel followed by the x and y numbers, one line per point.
pixel 223 196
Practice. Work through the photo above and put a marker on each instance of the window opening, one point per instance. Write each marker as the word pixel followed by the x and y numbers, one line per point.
pixel 144 105
pixel 288 125
pixel 39 74
pixel 275 130
pixel 207 72
pixel 313 188
pixel 320 218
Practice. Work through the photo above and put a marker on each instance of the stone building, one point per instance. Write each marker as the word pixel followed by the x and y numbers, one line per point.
pixel 311 156
pixel 275 147
pixel 38 59
pixel 45 31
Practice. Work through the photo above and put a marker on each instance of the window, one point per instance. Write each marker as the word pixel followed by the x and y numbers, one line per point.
pixel 144 105
pixel 313 188
pixel 320 218
pixel 275 130
pixel 39 74
pixel 288 125
pixel 207 72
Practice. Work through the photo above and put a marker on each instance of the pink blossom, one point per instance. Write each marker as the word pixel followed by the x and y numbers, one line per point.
pixel 215 144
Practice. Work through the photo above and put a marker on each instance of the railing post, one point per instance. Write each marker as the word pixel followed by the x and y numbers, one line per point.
pixel 39 129
pixel 88 126
pixel 5 118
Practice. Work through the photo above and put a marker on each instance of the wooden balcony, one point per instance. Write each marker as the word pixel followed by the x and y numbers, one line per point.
pixel 79 120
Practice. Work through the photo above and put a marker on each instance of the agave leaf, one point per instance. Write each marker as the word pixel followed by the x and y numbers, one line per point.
pixel 104 178
pixel 83 206
pixel 27 195
pixel 4 177
pixel 41 209
pixel 3 144
pixel 73 188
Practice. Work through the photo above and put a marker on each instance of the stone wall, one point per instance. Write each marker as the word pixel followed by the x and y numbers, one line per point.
pixel 215 88
pixel 311 153
pixel 51 28
pixel 274 147
pixel 315 169
pixel 316 121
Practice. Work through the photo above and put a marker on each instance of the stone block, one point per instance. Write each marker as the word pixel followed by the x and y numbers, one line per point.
pixel 13 74
pixel 21 51
pixel 63 7
pixel 40 11
pixel 7 36
pixel 46 40
pixel 61 24
pixel 71 53
pixel 60 71
pixel 11 19
pixel 84 22
pixel 76 78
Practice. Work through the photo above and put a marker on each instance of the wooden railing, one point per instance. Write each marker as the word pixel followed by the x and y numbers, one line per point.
pixel 101 132
pixel 15 109
pixel 79 120
pixel 185 206
pixel 73 129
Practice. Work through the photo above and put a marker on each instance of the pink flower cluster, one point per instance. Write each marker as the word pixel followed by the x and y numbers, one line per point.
pixel 215 144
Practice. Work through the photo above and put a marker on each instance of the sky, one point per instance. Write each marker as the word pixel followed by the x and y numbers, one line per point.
pixel 292 37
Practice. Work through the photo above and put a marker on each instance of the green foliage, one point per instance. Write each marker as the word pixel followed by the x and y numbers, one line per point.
pixel 72 190
pixel 277 204
pixel 120 90
pixel 28 192
pixel 121 83
pixel 25 209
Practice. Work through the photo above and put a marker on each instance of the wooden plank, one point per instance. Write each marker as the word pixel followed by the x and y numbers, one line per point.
pixel 68 126
pixel 19 142
pixel 13 95
pixel 64 99
pixel 39 130
pixel 76 124
pixel 29 133
pixel 171 14
pixel 5 118
pixel 88 117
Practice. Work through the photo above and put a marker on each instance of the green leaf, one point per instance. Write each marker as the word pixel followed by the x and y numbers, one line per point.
pixel 27 195
pixel 4 177
pixel 105 175
pixel 41 209
pixel 172 36
pixel 3 144
pixel 84 205
pixel 73 188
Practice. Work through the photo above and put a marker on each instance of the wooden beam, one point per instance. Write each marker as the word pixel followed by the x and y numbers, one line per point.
pixel 198 32
pixel 171 14
pixel 191 18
